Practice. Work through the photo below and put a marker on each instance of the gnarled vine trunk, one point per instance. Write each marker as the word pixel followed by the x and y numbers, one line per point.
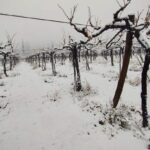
pixel 4 65
pixel 53 63
pixel 144 90
pixel 77 78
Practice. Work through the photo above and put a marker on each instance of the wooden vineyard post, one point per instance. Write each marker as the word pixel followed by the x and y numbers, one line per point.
pixel 123 73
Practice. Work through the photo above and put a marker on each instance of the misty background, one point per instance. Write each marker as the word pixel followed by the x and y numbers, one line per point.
pixel 33 34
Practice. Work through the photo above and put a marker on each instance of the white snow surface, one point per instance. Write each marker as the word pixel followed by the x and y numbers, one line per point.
pixel 44 113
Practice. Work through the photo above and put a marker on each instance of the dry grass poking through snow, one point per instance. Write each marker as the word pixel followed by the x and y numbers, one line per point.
pixel 113 121
pixel 135 82
pixel 108 120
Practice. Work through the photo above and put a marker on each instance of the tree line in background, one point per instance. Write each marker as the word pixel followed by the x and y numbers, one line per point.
pixel 8 57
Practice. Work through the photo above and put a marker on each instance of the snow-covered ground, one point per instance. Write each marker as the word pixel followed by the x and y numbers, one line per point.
pixel 43 112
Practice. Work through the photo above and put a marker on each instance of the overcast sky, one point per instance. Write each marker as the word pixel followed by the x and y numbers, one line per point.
pixel 42 34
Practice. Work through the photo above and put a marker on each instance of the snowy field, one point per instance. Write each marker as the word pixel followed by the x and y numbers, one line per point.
pixel 39 111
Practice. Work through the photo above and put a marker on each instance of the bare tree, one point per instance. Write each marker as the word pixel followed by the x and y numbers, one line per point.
pixel 51 54
pixel 10 40
pixel 74 47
